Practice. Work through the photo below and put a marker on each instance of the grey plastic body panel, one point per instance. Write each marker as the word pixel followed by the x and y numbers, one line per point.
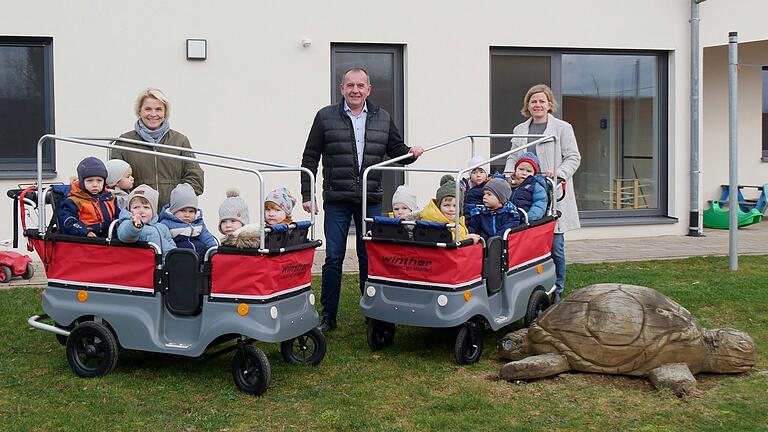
pixel 143 323
pixel 419 307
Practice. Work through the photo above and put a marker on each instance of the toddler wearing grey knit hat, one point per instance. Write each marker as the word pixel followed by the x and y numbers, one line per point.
pixel 404 201
pixel 500 188
pixel 233 213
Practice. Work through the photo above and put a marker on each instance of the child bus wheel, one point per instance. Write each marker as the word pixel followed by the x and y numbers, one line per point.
pixel 5 274
pixel 29 272
pixel 308 348
pixel 91 350
pixel 469 344
pixel 537 304
pixel 381 334
pixel 250 370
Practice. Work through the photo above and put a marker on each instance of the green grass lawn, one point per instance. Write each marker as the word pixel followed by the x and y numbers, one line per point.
pixel 414 385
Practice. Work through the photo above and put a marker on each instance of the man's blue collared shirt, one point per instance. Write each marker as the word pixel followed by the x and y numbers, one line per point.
pixel 358 126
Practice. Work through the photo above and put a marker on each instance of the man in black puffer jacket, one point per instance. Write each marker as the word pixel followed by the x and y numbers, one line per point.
pixel 349 136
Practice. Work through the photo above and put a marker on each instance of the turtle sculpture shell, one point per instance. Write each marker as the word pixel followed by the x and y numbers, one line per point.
pixel 620 329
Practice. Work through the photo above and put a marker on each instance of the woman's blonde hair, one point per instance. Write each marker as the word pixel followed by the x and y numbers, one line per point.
pixel 539 88
pixel 155 94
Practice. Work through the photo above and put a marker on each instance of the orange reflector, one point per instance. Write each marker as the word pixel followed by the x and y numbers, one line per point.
pixel 539 268
pixel 82 296
pixel 242 309
pixel 467 295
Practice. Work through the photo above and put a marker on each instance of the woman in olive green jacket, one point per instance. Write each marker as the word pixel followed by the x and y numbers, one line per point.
pixel 162 174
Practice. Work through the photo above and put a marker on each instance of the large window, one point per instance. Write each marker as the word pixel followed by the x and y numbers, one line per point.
pixel 616 102
pixel 26 105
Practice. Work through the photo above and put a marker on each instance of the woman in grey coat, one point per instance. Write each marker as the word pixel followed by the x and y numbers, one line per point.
pixel 538 106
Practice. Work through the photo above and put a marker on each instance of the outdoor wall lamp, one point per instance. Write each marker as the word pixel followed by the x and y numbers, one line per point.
pixel 197 49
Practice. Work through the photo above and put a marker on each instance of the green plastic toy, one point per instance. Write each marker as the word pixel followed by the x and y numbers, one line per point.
pixel 718 217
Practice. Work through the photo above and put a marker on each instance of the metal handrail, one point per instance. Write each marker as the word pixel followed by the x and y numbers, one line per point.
pixel 227 157
pixel 384 166
pixel 258 173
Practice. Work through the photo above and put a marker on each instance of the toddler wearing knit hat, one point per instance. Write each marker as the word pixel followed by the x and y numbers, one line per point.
pixel 233 213
pixel 119 180
pixel 404 202
pixel 278 206
pixel 138 221
pixel 88 208
pixel 497 214
pixel 444 206
pixel 185 221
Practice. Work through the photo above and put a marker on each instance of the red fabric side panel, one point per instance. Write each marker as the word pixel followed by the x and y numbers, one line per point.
pixel 423 264
pixel 97 264
pixel 260 275
pixel 530 243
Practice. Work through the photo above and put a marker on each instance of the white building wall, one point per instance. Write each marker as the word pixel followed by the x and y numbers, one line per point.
pixel 258 91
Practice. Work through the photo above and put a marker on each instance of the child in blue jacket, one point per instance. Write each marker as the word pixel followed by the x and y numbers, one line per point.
pixel 497 213
pixel 472 186
pixel 530 191
pixel 138 222
pixel 185 221
pixel 89 207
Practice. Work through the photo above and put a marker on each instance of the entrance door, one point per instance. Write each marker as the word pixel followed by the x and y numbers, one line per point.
pixel 384 64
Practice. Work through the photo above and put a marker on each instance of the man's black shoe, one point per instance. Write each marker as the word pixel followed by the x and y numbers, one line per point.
pixel 328 324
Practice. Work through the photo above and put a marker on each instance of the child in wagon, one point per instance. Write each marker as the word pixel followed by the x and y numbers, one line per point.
pixel 119 181
pixel 278 209
pixel 444 206
pixel 529 191
pixel 138 222
pixel 185 221
pixel 473 185
pixel 89 208
pixel 497 213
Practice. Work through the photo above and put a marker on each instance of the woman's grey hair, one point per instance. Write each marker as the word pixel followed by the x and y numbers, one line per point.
pixel 155 94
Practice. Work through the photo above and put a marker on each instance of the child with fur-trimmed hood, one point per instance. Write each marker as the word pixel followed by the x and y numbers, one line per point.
pixel 278 209
pixel 185 221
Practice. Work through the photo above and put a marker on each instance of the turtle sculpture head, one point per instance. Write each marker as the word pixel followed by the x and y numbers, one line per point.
pixel 730 351
pixel 628 330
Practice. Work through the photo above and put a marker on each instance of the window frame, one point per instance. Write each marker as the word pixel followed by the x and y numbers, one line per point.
pixel 28 170
pixel 611 216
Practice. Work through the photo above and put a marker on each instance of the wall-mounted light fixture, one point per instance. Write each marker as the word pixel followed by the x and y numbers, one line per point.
pixel 306 42
pixel 197 49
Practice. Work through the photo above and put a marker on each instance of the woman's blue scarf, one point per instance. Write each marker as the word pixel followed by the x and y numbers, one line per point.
pixel 152 136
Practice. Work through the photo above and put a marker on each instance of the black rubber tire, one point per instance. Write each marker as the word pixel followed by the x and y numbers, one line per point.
pixel 29 272
pixel 308 348
pixel 5 274
pixel 61 338
pixel 537 304
pixel 469 344
pixel 251 370
pixel 380 334
pixel 91 350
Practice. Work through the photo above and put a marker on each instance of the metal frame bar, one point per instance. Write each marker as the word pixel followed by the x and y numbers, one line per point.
pixel 258 173
pixel 383 166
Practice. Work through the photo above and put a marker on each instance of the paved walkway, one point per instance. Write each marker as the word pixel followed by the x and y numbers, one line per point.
pixel 753 240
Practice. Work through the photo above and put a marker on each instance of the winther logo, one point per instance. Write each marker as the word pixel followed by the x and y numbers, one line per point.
pixel 408 263
pixel 296 268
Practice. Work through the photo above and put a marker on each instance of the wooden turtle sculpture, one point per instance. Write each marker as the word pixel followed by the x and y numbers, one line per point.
pixel 628 330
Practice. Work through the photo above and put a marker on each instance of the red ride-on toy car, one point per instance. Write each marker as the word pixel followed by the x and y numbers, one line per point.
pixel 15 264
